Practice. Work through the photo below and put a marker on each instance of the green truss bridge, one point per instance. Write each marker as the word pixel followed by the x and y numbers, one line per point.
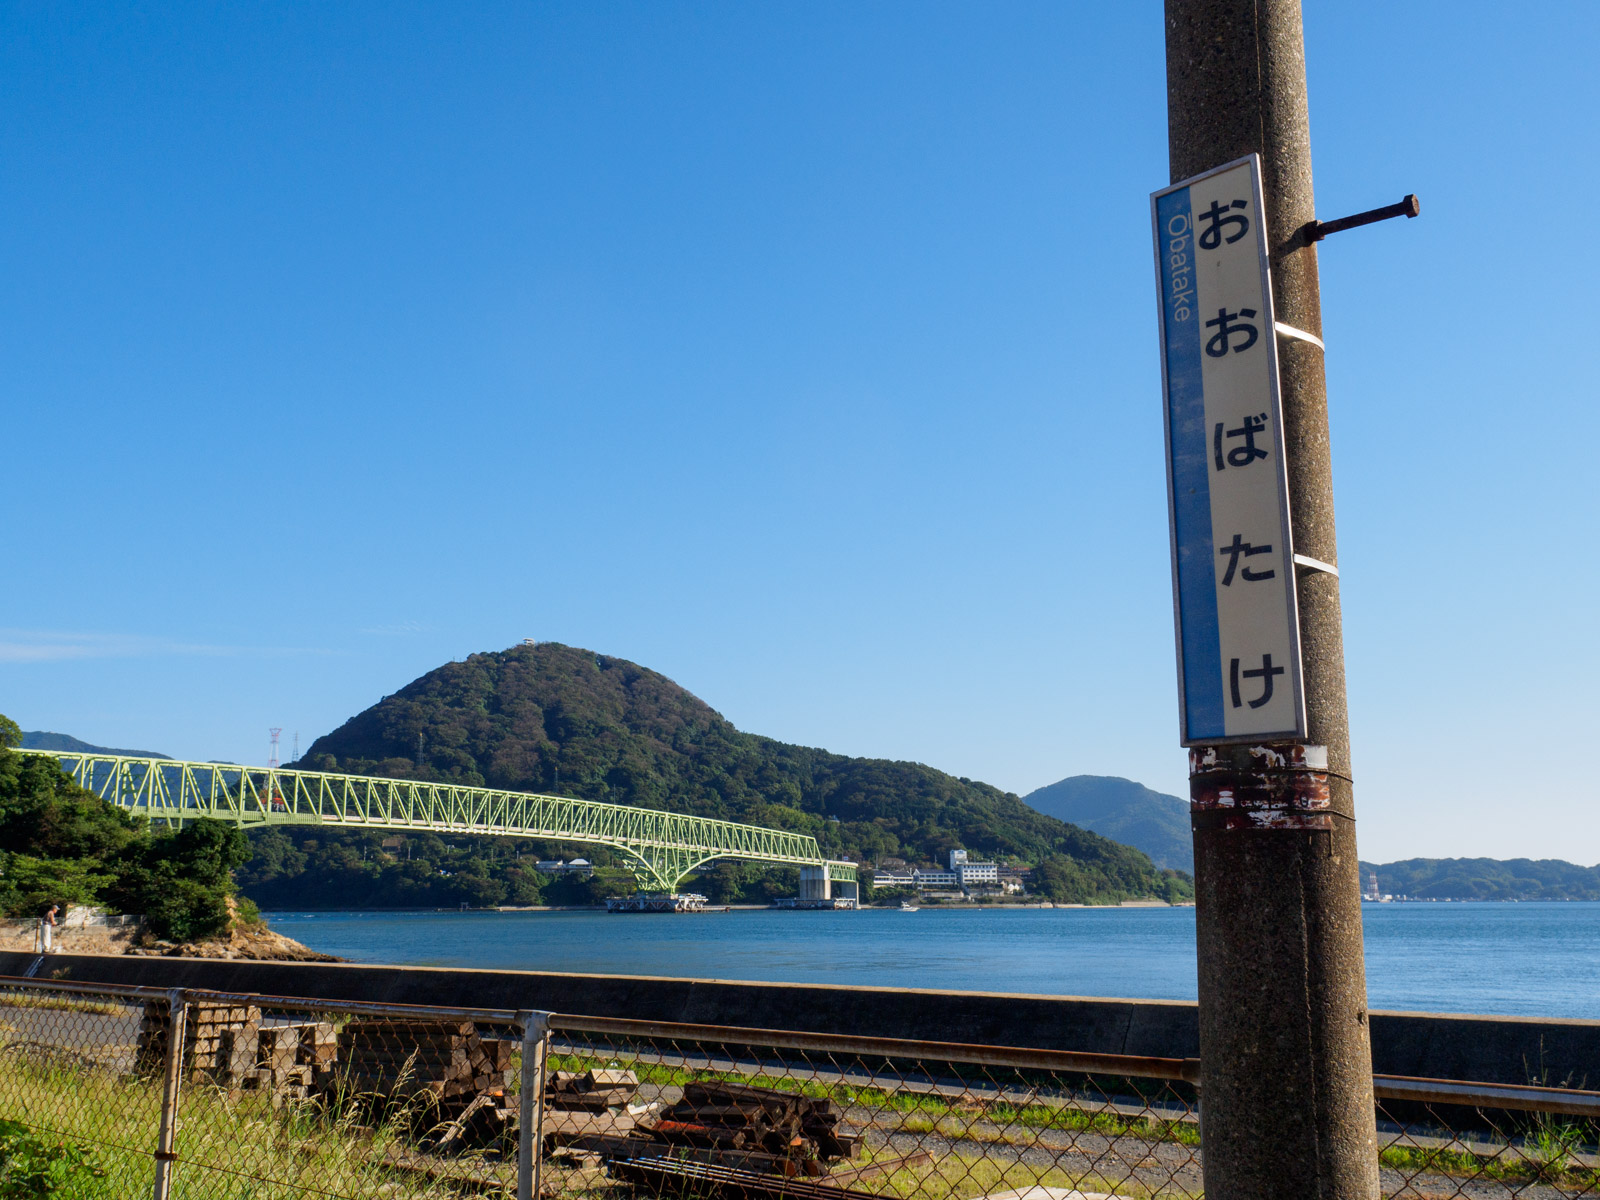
pixel 666 847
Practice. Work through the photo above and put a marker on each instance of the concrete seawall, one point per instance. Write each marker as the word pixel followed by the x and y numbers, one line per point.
pixel 1442 1046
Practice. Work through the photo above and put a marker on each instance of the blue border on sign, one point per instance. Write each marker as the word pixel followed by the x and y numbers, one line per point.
pixel 1191 477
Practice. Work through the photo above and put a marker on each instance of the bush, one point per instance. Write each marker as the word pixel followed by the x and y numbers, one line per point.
pixel 33 1169
pixel 182 910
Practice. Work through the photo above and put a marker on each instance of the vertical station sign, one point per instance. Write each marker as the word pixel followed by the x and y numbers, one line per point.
pixel 1238 627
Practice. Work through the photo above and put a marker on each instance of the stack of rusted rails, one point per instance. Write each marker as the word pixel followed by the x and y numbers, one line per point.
pixel 731 1141
pixel 756 1128
pixel 765 1130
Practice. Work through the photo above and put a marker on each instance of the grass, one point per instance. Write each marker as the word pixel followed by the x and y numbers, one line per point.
pixel 1547 1153
pixel 97 1130
pixel 34 1168
pixel 994 1129
pixel 952 1177
pixel 100 1008
pixel 242 1150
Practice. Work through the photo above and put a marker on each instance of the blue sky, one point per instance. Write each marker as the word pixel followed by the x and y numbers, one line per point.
pixel 804 353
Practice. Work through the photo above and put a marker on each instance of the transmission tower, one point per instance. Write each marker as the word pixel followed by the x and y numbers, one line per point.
pixel 272 761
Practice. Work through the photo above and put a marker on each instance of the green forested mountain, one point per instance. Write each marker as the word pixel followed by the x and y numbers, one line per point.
pixel 1123 810
pixel 1486 879
pixel 38 739
pixel 554 718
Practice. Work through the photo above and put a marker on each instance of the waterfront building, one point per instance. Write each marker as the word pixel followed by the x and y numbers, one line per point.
pixel 581 866
pixel 963 875
pixel 969 874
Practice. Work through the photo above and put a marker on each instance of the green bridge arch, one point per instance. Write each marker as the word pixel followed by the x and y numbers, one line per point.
pixel 666 847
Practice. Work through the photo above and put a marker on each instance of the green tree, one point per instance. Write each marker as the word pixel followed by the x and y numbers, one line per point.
pixel 181 880
pixel 64 844
pixel 30 885
pixel 43 812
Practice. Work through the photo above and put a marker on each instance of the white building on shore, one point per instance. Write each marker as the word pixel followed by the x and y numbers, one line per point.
pixel 962 874
pixel 555 866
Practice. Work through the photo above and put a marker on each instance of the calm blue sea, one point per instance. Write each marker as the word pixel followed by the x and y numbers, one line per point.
pixel 1521 959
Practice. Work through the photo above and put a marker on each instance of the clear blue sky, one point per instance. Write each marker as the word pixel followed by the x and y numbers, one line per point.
pixel 805 353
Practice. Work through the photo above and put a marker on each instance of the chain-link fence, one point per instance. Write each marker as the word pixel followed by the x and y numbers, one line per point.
pixel 1439 1139
pixel 137 1092
pixel 756 1113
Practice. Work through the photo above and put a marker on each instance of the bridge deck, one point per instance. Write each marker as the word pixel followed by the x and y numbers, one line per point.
pixel 666 846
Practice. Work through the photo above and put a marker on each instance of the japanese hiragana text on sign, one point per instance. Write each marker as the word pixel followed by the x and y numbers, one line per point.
pixel 1233 568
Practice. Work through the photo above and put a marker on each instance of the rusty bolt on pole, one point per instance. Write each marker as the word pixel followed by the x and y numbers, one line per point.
pixel 1408 206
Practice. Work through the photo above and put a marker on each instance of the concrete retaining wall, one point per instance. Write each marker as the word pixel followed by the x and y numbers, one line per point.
pixel 1441 1046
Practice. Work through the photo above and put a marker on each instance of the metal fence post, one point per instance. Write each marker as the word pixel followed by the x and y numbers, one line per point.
pixel 177 1019
pixel 530 1109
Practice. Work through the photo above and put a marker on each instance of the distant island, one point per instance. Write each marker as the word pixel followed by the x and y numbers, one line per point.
pixel 67 744
pixel 1158 824
pixel 1482 879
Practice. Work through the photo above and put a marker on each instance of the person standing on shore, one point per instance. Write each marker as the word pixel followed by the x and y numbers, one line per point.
pixel 47 929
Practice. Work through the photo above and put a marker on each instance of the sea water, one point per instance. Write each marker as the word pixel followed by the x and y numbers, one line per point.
pixel 1537 959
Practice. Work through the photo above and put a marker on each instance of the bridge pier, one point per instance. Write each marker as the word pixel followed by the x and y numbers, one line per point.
pixel 815 883
pixel 829 881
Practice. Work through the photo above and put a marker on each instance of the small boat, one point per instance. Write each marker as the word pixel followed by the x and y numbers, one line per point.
pixel 907 906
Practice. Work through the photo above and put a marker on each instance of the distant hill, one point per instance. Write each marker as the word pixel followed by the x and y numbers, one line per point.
pixel 1125 811
pixel 1486 879
pixel 68 744
pixel 1158 824
pixel 555 718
